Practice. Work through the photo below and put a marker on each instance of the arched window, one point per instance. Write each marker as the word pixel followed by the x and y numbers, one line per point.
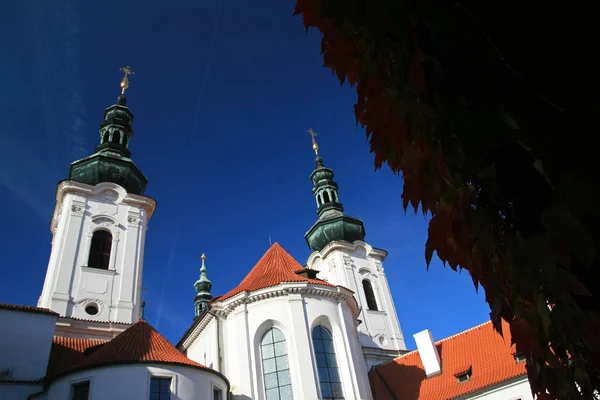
pixel 116 138
pixel 327 367
pixel 276 370
pixel 370 295
pixel 105 139
pixel 100 250
pixel 326 197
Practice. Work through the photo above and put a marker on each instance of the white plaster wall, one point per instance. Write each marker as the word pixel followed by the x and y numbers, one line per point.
pixel 69 285
pixel 204 348
pixel 348 264
pixel 237 362
pixel 295 315
pixel 25 342
pixel 516 389
pixel 86 329
pixel 133 382
pixel 17 392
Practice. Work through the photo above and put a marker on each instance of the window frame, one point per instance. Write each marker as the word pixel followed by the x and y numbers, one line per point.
pixel 78 382
pixel 109 256
pixel 261 362
pixel 162 375
pixel 214 389
pixel 325 353
pixel 374 296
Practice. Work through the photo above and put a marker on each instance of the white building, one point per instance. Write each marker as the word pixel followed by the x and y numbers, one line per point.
pixel 326 330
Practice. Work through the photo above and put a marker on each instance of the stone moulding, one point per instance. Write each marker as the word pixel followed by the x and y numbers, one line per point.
pixel 100 191
pixel 223 309
pixel 378 255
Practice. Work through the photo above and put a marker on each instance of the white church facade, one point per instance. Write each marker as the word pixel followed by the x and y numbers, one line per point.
pixel 325 330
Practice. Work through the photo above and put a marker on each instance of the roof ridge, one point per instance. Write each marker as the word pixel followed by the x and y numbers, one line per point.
pixel 480 347
pixel 141 342
pixel 96 321
pixel 27 308
pixel 435 343
pixel 276 266
pixel 463 332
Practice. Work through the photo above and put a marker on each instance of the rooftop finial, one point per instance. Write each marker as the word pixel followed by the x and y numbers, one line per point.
pixel 315 146
pixel 203 286
pixel 125 81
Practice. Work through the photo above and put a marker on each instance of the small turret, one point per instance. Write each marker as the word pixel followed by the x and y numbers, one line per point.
pixel 202 286
pixel 332 224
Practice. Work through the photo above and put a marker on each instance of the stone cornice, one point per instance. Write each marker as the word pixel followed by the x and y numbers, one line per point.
pixel 203 323
pixel 69 186
pixel 75 327
pixel 347 247
pixel 285 289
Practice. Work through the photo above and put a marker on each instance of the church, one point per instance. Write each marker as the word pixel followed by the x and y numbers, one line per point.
pixel 325 328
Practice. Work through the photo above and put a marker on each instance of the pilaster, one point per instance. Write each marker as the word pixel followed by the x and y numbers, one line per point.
pixel 379 333
pixel 306 388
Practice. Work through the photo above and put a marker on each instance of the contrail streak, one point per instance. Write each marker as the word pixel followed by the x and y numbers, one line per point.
pixel 206 75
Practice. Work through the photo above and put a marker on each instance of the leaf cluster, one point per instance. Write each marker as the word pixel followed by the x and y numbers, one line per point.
pixel 503 169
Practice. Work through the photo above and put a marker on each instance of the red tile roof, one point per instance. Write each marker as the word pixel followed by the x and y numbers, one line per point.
pixel 96 321
pixel 138 343
pixel 67 352
pixel 489 356
pixel 31 309
pixel 276 266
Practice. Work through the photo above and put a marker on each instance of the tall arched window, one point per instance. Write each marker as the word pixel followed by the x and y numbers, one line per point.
pixel 100 250
pixel 276 370
pixel 326 197
pixel 370 295
pixel 327 367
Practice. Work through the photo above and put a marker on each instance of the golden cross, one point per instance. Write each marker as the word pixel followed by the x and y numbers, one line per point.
pixel 315 146
pixel 125 81
pixel 203 257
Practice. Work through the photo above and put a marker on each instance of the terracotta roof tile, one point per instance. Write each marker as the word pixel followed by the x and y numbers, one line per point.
pixel 31 309
pixel 276 266
pixel 96 321
pixel 482 349
pixel 67 352
pixel 138 343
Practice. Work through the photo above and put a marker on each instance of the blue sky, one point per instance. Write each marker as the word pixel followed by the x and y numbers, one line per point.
pixel 223 93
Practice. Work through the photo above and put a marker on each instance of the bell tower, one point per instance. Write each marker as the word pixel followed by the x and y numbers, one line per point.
pixel 99 229
pixel 342 257
pixel 202 286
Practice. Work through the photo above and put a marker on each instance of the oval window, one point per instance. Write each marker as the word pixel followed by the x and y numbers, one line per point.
pixel 91 309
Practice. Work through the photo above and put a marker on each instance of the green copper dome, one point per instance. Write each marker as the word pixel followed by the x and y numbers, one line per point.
pixel 332 224
pixel 202 286
pixel 111 162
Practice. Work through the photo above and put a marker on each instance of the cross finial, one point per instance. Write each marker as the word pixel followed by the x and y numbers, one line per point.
pixel 315 146
pixel 203 257
pixel 125 81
